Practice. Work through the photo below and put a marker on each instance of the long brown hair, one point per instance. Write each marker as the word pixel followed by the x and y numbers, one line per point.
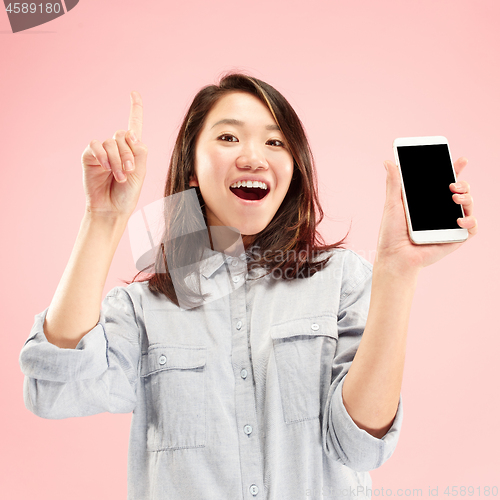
pixel 290 244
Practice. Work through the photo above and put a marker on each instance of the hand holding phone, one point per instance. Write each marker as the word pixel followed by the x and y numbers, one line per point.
pixel 426 171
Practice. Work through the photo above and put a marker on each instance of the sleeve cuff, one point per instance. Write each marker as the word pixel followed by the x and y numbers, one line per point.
pixel 355 447
pixel 39 359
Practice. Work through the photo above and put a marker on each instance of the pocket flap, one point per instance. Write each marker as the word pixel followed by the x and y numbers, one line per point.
pixel 313 326
pixel 167 357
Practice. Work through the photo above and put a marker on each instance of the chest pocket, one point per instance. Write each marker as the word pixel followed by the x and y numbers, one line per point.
pixel 174 385
pixel 304 350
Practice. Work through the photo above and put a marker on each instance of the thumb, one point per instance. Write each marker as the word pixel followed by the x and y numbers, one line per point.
pixel 393 182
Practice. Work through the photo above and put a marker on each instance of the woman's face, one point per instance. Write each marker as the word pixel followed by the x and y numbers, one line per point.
pixel 241 142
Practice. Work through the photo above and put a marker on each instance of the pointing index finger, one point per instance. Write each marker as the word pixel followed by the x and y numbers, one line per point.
pixel 135 118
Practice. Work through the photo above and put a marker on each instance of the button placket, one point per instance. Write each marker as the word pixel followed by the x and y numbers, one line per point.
pixel 237 269
pixel 249 449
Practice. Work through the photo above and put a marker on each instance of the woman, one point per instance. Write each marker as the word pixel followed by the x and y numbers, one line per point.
pixel 284 386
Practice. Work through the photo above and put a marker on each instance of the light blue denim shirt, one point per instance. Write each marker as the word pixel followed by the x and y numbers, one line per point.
pixel 240 398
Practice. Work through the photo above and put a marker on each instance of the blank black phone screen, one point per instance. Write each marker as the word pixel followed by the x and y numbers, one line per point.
pixel 427 174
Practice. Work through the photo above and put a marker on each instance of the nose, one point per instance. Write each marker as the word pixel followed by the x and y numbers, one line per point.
pixel 252 158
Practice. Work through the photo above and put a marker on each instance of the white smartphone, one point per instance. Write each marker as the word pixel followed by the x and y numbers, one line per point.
pixel 427 171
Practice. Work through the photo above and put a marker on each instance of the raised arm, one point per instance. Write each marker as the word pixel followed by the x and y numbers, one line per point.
pixel 373 384
pixel 113 174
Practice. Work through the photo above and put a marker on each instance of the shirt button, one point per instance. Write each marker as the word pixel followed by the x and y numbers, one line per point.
pixel 248 429
pixel 239 325
pixel 315 326
pixel 234 262
pixel 254 490
pixel 162 360
pixel 243 373
pixel 236 279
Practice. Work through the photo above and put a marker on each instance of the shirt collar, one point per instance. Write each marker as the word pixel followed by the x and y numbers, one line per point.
pixel 213 260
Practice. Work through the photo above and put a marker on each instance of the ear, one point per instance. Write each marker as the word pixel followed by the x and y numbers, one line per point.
pixel 193 181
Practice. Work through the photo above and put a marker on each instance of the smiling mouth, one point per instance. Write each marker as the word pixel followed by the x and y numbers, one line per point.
pixel 250 193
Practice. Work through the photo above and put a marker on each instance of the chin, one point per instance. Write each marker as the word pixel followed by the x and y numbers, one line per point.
pixel 251 230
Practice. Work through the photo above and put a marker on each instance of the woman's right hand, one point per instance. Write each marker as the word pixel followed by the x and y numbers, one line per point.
pixel 114 171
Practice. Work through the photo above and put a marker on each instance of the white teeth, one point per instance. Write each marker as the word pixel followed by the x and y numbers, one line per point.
pixel 255 184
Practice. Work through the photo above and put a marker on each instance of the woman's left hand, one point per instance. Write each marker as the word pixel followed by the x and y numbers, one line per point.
pixel 394 245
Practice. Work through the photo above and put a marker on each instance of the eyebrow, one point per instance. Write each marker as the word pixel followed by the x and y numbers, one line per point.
pixel 238 123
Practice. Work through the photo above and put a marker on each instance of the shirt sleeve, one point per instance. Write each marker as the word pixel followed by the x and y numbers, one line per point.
pixel 343 440
pixel 99 375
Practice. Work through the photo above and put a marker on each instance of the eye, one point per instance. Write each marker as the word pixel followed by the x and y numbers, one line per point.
pixel 221 137
pixel 280 143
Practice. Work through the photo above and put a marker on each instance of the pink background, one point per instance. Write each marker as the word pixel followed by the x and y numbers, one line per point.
pixel 359 74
